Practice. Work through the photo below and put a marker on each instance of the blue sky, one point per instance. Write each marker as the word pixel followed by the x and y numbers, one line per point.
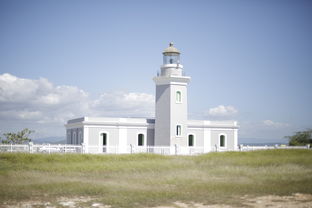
pixel 249 60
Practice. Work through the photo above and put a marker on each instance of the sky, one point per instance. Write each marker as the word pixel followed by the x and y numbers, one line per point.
pixel 248 60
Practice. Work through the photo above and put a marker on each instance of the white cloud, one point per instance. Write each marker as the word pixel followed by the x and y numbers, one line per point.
pixel 269 123
pixel 222 111
pixel 31 103
pixel 39 99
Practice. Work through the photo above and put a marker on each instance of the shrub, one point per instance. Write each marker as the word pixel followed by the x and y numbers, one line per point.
pixel 301 138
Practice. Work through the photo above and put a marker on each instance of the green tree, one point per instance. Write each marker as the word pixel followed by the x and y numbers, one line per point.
pixel 301 138
pixel 17 138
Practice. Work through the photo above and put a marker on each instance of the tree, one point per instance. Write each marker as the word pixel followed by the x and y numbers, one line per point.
pixel 17 138
pixel 301 138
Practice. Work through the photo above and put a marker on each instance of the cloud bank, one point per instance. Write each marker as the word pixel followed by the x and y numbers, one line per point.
pixel 33 102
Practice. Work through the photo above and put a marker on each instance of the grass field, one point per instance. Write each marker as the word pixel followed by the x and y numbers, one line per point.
pixel 146 180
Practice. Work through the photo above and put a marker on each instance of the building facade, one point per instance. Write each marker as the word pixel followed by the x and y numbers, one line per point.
pixel 169 128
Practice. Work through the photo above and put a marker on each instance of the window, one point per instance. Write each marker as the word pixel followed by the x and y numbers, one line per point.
pixel 178 97
pixel 178 130
pixel 222 141
pixel 104 139
pixel 141 140
pixel 191 140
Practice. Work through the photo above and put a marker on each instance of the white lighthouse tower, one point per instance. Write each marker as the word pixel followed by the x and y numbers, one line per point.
pixel 171 101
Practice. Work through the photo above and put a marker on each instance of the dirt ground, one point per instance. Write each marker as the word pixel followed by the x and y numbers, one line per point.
pixel 293 201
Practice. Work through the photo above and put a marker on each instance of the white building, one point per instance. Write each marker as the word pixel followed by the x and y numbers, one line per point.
pixel 170 127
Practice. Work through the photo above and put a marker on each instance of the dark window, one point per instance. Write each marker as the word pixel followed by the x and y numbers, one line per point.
pixel 178 97
pixel 104 138
pixel 178 132
pixel 140 139
pixel 191 140
pixel 222 141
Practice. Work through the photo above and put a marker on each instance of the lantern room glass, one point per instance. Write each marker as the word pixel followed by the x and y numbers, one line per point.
pixel 171 58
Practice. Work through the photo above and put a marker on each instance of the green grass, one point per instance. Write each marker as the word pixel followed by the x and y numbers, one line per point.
pixel 142 180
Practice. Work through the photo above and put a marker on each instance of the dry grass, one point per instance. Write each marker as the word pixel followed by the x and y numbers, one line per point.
pixel 143 180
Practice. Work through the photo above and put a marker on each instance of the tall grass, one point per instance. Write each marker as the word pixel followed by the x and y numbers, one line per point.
pixel 142 180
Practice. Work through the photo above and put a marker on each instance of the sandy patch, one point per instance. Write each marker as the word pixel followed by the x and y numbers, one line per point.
pixel 74 202
pixel 269 201
pixel 293 201
pixel 194 205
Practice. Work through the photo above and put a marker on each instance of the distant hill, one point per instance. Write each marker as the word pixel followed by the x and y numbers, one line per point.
pixel 50 140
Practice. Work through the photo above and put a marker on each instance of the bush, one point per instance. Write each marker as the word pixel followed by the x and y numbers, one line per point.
pixel 301 138
pixel 20 137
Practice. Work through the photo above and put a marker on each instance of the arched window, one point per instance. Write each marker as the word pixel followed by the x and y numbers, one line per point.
pixel 178 97
pixel 141 140
pixel 104 139
pixel 191 140
pixel 222 141
pixel 178 130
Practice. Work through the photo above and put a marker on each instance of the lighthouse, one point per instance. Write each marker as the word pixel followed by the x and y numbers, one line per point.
pixel 170 132
pixel 171 101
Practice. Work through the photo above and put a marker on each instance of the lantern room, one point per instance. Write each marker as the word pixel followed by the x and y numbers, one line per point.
pixel 171 55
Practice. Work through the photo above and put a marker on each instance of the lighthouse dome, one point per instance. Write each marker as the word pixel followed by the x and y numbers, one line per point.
pixel 171 50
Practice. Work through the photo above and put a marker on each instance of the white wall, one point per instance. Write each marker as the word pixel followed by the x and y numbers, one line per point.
pixel 162 115
pixel 124 135
pixel 229 134
pixel 112 135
